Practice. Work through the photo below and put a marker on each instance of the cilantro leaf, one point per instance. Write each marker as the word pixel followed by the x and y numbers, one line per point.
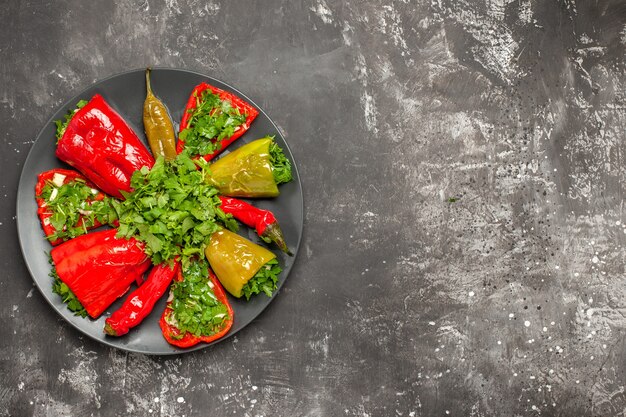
pixel 212 120
pixel 68 297
pixel 195 308
pixel 172 209
pixel 265 280
pixel 74 208
pixel 61 125
pixel 281 167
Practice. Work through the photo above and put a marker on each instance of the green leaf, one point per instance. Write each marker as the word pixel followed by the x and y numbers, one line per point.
pixel 281 166
pixel 61 125
pixel 74 208
pixel 171 209
pixel 211 121
pixel 265 280
pixel 68 297
pixel 195 308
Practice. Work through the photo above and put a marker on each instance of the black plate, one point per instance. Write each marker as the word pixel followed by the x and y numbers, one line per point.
pixel 126 93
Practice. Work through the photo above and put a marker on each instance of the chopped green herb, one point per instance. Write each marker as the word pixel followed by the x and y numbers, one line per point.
pixel 281 167
pixel 195 308
pixel 68 297
pixel 74 208
pixel 452 200
pixel 265 280
pixel 212 120
pixel 172 209
pixel 62 124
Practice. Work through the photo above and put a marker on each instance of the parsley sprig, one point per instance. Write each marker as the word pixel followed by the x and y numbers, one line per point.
pixel 265 280
pixel 68 297
pixel 74 209
pixel 62 124
pixel 172 210
pixel 281 167
pixel 195 308
pixel 212 120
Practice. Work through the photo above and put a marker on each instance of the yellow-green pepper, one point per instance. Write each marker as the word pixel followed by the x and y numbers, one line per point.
pixel 235 260
pixel 245 172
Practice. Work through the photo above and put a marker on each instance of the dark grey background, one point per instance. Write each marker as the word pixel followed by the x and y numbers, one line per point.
pixel 509 301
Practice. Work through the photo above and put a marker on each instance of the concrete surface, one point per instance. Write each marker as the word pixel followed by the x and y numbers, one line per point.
pixel 463 166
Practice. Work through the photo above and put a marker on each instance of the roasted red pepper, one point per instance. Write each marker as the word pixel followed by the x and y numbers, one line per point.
pixel 99 268
pixel 140 302
pixel 244 108
pixel 172 333
pixel 263 221
pixel 59 177
pixel 99 143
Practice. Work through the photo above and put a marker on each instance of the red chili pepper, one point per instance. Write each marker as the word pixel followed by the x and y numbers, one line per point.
pixel 263 221
pixel 170 332
pixel 243 107
pixel 99 268
pixel 99 143
pixel 42 209
pixel 140 302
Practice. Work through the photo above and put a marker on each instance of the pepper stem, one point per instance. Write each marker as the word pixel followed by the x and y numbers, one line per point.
pixel 109 330
pixel 273 232
pixel 148 86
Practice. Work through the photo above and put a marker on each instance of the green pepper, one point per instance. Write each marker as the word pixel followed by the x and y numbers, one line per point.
pixel 245 172
pixel 235 260
pixel 158 125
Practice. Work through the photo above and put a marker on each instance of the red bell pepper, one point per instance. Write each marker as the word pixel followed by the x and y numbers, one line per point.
pixel 140 302
pixel 99 143
pixel 238 103
pixel 44 212
pixel 263 221
pixel 173 335
pixel 99 268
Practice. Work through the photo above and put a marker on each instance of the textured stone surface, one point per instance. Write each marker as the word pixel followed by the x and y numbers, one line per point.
pixel 463 167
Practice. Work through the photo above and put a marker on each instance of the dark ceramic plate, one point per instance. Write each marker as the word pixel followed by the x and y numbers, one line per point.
pixel 126 92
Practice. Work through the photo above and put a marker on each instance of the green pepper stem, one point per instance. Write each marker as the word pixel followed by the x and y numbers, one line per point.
pixel 148 86
pixel 273 232
pixel 109 330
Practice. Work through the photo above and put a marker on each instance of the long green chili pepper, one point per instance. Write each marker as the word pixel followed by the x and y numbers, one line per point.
pixel 158 125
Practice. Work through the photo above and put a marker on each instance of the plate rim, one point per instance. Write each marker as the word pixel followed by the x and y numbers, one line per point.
pixel 23 177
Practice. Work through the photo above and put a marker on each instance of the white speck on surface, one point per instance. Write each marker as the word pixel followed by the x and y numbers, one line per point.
pixel 83 376
pixel 323 12
pixel 471 293
pixel 527 323
pixel 595 260
pixel 180 400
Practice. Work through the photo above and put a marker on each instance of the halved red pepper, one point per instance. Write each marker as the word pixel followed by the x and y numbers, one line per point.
pixel 99 268
pixel 171 333
pixel 42 209
pixel 238 103
pixel 99 143
pixel 262 220
pixel 140 302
